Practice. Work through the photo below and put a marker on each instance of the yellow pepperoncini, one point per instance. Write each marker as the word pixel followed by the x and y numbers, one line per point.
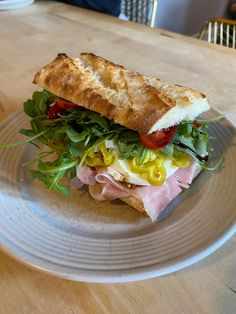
pixel 92 159
pixel 180 159
pixel 152 171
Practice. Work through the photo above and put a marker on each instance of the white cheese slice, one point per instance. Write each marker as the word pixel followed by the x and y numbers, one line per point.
pixel 120 169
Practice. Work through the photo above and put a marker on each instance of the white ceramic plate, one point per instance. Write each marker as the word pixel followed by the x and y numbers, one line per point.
pixel 80 239
pixel 14 4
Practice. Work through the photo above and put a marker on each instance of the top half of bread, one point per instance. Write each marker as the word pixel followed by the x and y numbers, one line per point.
pixel 142 103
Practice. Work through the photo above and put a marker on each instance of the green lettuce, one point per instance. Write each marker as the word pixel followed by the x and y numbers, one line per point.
pixel 75 132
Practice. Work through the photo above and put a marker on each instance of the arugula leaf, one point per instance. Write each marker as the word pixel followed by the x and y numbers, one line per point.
pixel 211 120
pixel 192 139
pixel 29 108
pixel 27 132
pixel 29 140
pixel 168 150
pixel 60 133
pixel 201 147
pixel 96 118
pixel 40 99
pixel 186 140
pixel 185 128
pixel 52 172
pixel 51 181
pixel 39 103
pixel 56 166
pixel 77 149
pixel 75 136
pixel 51 97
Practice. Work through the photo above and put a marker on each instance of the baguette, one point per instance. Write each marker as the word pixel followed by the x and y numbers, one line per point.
pixel 141 103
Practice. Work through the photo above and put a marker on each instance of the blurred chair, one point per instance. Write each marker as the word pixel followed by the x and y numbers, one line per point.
pixel 219 31
pixel 140 11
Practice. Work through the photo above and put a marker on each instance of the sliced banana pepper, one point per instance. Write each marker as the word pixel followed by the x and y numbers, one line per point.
pixel 180 159
pixel 93 160
pixel 153 171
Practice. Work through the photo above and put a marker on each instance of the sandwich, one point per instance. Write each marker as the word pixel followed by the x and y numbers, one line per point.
pixel 126 135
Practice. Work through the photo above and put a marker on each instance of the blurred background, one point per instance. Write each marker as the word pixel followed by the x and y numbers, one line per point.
pixel 181 16
pixel 211 20
pixel 188 16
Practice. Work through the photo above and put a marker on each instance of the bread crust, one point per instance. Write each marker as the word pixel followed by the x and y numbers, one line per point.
pixel 135 203
pixel 126 97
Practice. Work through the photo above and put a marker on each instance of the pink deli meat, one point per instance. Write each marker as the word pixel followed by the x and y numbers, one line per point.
pixel 107 188
pixel 86 175
pixel 155 198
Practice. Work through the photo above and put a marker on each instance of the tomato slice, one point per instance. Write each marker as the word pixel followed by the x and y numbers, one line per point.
pixel 197 124
pixel 158 139
pixel 53 111
pixel 64 104
pixel 59 106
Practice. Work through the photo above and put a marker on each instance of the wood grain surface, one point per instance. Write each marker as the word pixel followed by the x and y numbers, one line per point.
pixel 31 37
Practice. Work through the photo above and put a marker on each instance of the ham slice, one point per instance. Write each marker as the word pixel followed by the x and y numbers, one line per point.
pixel 86 175
pixel 156 198
pixel 185 175
pixel 106 192
pixel 103 186
pixel 76 184
pixel 107 188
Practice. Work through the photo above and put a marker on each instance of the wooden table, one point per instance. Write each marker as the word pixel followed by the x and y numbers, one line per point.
pixel 31 37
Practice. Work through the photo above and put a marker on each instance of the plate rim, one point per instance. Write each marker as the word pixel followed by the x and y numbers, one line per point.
pixel 139 276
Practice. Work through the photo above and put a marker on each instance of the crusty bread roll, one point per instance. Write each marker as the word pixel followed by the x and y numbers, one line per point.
pixel 139 102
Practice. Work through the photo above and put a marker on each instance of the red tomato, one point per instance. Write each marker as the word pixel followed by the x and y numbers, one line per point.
pixel 59 106
pixel 196 124
pixel 64 104
pixel 53 111
pixel 158 139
